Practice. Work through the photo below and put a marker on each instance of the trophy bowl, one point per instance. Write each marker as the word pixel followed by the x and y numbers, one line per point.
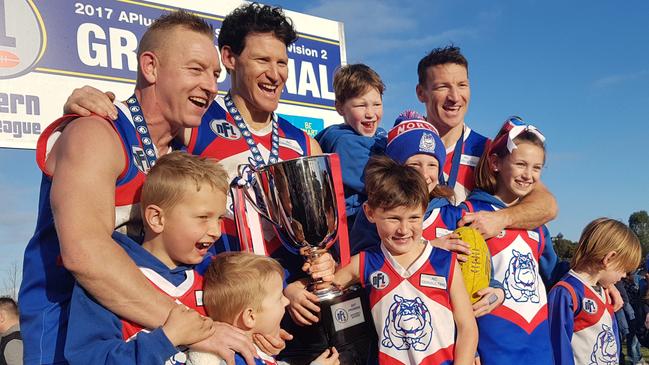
pixel 297 196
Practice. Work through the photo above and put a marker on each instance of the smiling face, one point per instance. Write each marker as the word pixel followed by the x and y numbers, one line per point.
pixel 185 76
pixel 192 225
pixel 272 308
pixel 399 228
pixel 258 73
pixel 446 95
pixel 427 166
pixel 363 113
pixel 517 173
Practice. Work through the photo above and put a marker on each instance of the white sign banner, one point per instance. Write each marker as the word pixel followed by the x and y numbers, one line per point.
pixel 49 48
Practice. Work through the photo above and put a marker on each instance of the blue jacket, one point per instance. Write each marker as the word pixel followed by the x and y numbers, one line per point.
pixel 354 151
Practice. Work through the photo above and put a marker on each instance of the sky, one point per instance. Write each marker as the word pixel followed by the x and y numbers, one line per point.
pixel 578 70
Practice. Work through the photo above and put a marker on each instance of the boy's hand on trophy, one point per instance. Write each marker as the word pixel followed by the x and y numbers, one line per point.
pixel 303 306
pixel 323 267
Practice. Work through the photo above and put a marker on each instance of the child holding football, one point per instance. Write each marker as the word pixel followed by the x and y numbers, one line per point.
pixel 419 303
pixel 507 171
pixel 582 322
pixel 414 142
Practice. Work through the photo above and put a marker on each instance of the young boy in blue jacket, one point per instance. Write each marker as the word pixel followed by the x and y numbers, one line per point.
pixel 359 100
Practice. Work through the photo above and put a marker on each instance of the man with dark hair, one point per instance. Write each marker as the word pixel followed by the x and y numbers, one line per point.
pixel 445 91
pixel 11 343
pixel 93 170
pixel 242 127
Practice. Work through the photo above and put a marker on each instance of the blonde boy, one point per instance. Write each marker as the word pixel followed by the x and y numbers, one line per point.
pixel 419 303
pixel 183 202
pixel 583 328
pixel 245 290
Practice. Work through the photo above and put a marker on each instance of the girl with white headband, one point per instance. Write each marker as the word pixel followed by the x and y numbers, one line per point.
pixel 517 331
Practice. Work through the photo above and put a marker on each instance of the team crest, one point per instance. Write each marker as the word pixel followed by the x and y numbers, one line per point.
pixel 521 278
pixel 408 325
pixel 379 280
pixel 427 143
pixel 225 129
pixel 605 348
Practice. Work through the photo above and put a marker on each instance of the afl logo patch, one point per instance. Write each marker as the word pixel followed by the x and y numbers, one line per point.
pixel 379 280
pixel 225 129
pixel 22 35
pixel 589 306
pixel 341 315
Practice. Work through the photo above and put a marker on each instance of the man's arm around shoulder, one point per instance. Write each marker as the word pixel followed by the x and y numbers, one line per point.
pixel 85 163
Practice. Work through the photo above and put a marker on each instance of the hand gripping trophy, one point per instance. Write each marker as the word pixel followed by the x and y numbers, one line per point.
pixel 298 197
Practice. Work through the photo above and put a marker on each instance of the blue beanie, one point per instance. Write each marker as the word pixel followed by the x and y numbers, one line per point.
pixel 413 135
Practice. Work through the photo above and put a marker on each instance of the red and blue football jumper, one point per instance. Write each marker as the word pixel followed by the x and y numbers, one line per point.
pixel 354 151
pixel 471 149
pixel 521 259
pixel 46 288
pixel 411 307
pixel 582 324
pixel 98 336
pixel 219 137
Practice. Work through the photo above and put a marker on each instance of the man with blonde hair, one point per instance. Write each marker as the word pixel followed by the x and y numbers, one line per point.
pixel 92 173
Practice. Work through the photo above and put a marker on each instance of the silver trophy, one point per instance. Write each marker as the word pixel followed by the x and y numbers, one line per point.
pixel 298 197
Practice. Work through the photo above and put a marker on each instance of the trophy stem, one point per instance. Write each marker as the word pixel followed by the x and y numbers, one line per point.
pixel 328 293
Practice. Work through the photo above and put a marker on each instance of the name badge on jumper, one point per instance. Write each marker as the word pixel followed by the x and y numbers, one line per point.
pixel 292 144
pixel 432 281
pixel 469 160
pixel 199 297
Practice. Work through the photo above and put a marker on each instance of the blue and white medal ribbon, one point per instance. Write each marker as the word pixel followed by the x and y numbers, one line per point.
pixel 142 130
pixel 256 160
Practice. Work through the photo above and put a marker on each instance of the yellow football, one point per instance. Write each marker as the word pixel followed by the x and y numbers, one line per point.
pixel 476 271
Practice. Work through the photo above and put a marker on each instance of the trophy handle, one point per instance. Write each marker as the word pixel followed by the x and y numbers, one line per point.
pixel 244 169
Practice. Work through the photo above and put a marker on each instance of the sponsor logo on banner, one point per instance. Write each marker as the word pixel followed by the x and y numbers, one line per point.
pixel 22 37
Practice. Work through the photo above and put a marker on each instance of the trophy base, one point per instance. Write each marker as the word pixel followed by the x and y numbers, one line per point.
pixel 344 322
pixel 346 317
pixel 326 294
